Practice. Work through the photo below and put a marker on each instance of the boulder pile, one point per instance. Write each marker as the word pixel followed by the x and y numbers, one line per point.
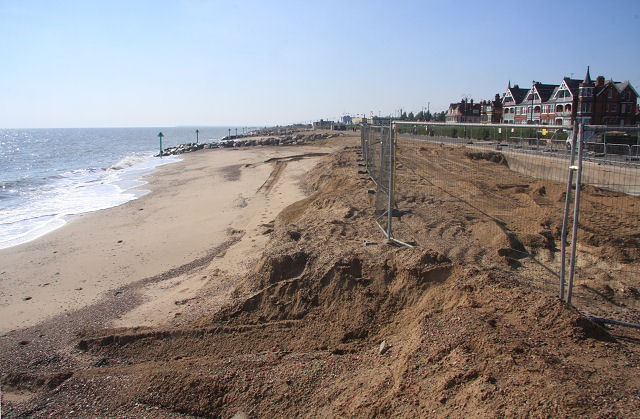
pixel 183 148
pixel 297 139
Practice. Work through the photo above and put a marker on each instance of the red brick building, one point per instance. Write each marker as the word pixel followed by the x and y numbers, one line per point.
pixel 603 102
pixel 463 111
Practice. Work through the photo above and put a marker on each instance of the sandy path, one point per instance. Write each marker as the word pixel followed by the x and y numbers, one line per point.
pixel 183 221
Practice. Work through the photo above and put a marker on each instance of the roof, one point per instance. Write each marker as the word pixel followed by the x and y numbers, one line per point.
pixel 616 84
pixel 587 78
pixel 572 84
pixel 622 86
pixel 545 90
pixel 517 93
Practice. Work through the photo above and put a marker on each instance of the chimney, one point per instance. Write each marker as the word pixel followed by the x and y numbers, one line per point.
pixel 600 81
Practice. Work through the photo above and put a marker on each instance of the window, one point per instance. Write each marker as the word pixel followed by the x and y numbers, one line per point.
pixel 608 106
pixel 585 91
pixel 610 93
pixel 623 108
pixel 614 107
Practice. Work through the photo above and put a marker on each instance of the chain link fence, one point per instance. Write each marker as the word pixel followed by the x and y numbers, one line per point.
pixel 515 188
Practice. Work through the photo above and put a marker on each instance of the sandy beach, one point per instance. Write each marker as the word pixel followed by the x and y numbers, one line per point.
pixel 212 202
pixel 255 283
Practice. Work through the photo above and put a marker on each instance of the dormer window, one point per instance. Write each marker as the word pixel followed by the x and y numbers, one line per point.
pixel 610 93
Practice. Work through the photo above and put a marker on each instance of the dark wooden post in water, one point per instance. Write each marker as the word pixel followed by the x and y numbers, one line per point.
pixel 197 132
pixel 160 135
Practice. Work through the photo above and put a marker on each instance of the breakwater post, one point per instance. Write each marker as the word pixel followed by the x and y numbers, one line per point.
pixel 160 135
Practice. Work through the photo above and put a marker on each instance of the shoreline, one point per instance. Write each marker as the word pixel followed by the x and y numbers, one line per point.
pixel 192 207
pixel 126 183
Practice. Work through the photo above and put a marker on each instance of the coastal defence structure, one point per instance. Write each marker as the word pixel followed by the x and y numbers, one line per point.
pixel 610 181
pixel 599 102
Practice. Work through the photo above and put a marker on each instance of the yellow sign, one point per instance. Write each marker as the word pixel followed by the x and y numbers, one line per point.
pixel 544 131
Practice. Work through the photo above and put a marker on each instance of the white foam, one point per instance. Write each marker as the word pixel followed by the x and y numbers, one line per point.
pixel 74 193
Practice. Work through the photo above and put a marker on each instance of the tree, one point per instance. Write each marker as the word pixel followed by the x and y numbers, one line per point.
pixel 411 116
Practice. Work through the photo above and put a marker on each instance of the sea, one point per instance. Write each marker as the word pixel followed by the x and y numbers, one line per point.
pixel 50 175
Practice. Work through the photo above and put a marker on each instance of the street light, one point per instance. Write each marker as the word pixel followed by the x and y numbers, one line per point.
pixel 533 85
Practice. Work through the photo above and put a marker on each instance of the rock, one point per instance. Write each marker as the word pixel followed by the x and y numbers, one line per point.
pixel 384 347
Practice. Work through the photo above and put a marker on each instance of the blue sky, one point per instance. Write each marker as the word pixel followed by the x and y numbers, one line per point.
pixel 165 63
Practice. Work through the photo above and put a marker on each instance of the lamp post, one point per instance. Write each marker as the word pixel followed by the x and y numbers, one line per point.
pixel 533 85
pixel 197 139
pixel 160 135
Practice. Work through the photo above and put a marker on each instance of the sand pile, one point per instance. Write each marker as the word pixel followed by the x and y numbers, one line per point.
pixel 332 321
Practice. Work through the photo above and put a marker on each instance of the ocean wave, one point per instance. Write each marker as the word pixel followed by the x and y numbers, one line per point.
pixel 131 160
pixel 41 209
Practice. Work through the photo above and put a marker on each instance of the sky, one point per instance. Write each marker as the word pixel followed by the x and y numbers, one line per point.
pixel 111 63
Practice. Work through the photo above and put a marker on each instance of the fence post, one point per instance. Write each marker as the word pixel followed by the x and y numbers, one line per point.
pixel 576 213
pixel 565 216
pixel 364 146
pixel 390 190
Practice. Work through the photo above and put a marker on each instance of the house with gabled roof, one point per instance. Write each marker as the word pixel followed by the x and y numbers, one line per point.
pixel 603 102
pixel 534 106
pixel 614 102
pixel 491 110
pixel 510 99
pixel 463 111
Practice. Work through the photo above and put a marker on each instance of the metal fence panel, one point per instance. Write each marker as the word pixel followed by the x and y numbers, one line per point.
pixel 378 149
pixel 449 166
